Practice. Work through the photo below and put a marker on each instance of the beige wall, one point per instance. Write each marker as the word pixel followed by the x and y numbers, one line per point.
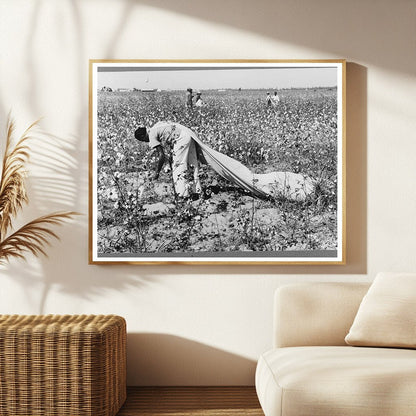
pixel 201 324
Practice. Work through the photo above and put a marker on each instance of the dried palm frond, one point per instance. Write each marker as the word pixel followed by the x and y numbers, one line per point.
pixel 12 183
pixel 33 237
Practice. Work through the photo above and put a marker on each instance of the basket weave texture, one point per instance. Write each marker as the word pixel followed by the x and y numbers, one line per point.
pixel 53 365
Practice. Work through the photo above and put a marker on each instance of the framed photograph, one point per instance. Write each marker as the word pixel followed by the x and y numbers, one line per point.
pixel 217 162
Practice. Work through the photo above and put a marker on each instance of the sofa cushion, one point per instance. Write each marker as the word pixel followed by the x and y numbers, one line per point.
pixel 342 381
pixel 387 314
pixel 315 314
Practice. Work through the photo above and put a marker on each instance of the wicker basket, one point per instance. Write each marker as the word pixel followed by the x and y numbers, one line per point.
pixel 54 365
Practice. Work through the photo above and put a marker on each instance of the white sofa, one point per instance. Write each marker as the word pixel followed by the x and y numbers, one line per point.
pixel 311 371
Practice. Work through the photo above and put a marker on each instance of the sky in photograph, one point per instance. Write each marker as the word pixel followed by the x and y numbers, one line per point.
pixel 215 78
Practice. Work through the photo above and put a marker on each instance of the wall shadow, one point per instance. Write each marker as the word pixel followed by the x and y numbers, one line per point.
pixel 356 166
pixel 169 360
pixel 338 28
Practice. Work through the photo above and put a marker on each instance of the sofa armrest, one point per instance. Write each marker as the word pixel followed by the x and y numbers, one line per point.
pixel 308 314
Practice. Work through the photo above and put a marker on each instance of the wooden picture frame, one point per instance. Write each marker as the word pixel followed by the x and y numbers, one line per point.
pixel 263 177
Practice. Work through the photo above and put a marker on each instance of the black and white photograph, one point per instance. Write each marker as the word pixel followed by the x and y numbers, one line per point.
pixel 217 162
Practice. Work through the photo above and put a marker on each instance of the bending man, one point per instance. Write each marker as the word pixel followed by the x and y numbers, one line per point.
pixel 176 144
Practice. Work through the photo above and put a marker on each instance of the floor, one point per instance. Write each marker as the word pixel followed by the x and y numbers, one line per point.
pixel 187 401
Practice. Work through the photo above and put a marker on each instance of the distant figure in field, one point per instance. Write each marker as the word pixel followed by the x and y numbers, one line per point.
pixel 185 150
pixel 198 100
pixel 189 98
pixel 268 100
pixel 275 99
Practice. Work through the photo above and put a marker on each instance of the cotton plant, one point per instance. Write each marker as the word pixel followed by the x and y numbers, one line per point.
pixel 34 236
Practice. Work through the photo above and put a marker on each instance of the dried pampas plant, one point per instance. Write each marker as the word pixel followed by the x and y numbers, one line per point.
pixel 34 236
